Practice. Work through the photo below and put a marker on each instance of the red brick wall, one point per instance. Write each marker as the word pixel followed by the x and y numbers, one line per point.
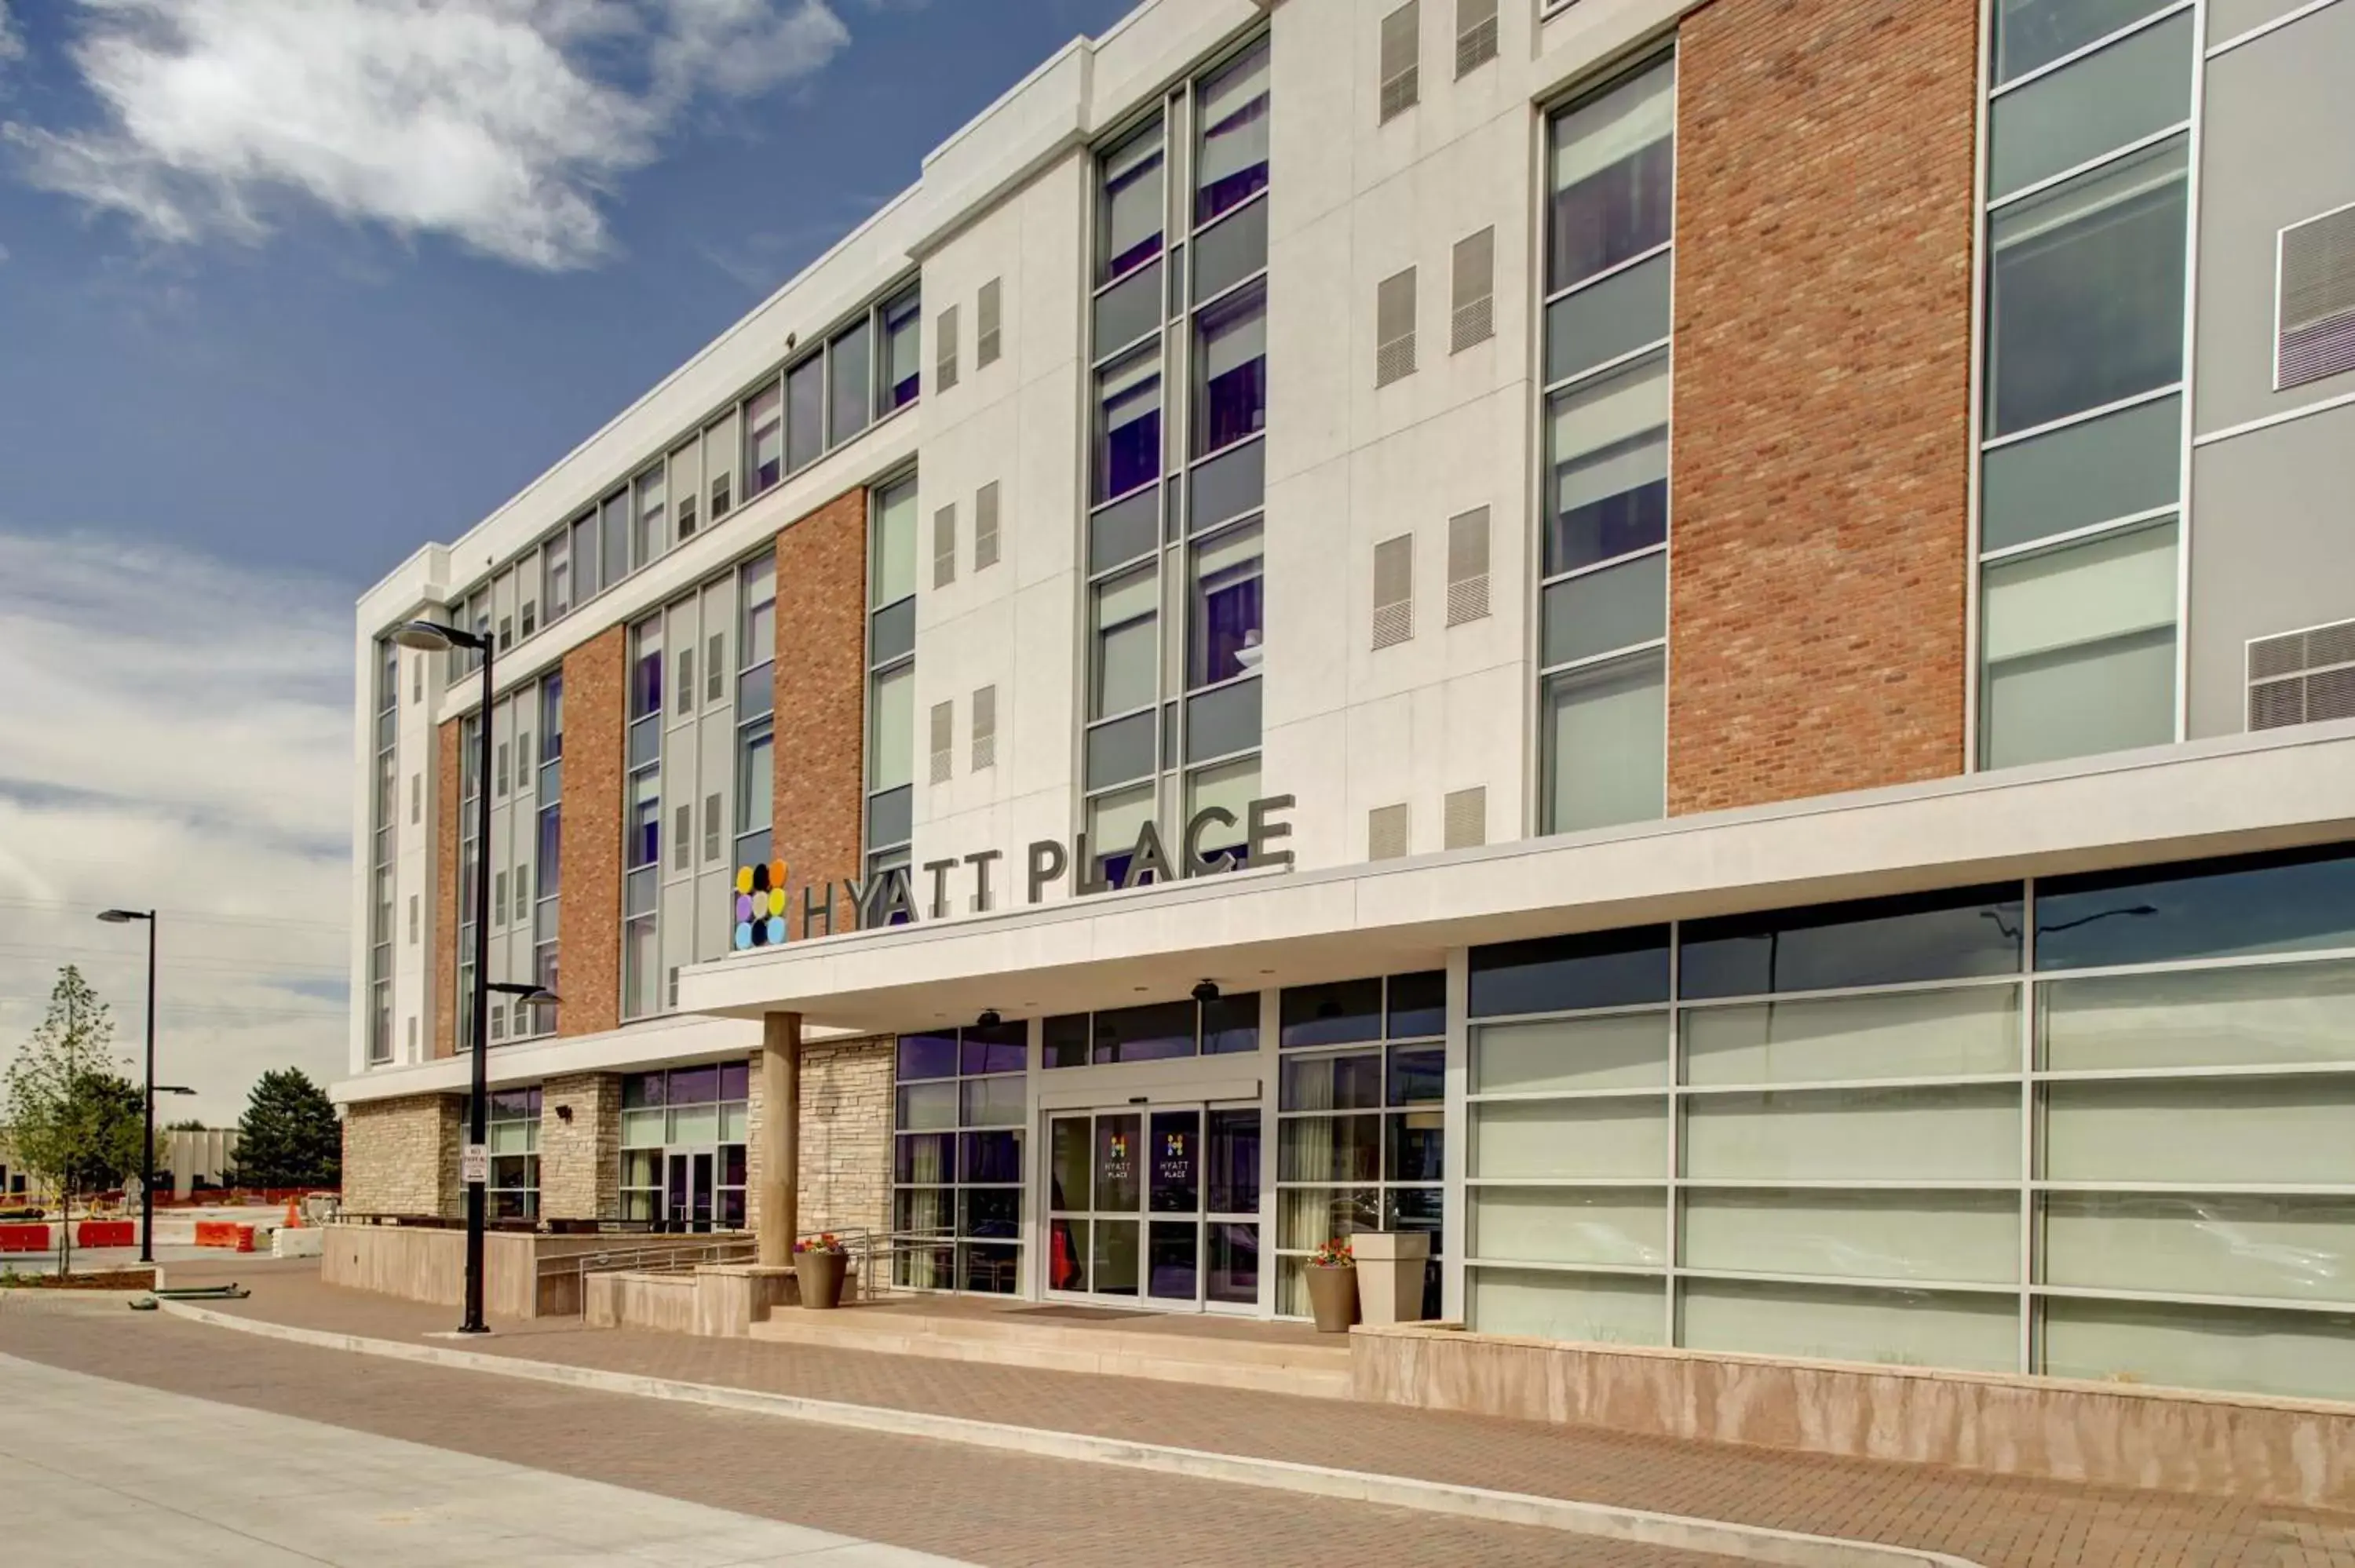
pixel 441 1008
pixel 822 693
pixel 589 903
pixel 1824 170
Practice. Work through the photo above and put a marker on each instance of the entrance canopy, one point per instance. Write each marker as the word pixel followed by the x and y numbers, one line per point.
pixel 1254 929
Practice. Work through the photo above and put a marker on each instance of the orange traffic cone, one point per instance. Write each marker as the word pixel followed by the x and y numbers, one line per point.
pixel 293 1214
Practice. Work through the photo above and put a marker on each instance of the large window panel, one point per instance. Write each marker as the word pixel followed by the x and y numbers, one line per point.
pixel 1231 371
pixel 2292 901
pixel 2080 649
pixel 895 544
pixel 2272 1016
pixel 1231 160
pixel 1952 1238
pixel 2030 34
pixel 1603 611
pixel 902 371
pixel 1132 203
pixel 1948 1133
pixel 1840 1323
pixel 2085 292
pixel 1899 1034
pixel 2286 1248
pixel 1617 1050
pixel 805 412
pixel 1605 744
pixel 1611 166
pixel 850 379
pixel 1607 452
pixel 891 734
pixel 1953 934
pixel 1128 425
pixel 2121 465
pixel 2132 88
pixel 1126 656
pixel 1615 317
pixel 2277 1131
pixel 2297 1355
pixel 1224 637
pixel 1561 974
pixel 1592 1308
pixel 1627 1226
pixel 1579 1140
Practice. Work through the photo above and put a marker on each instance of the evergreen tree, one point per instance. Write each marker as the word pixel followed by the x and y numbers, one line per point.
pixel 74 1119
pixel 288 1136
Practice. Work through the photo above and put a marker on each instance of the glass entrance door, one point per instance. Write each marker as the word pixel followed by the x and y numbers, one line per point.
pixel 687 1191
pixel 1157 1206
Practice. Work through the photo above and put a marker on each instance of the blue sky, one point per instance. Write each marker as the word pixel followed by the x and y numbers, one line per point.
pixel 288 287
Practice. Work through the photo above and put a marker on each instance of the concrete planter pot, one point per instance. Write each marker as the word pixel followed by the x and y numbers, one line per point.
pixel 819 1276
pixel 1333 1298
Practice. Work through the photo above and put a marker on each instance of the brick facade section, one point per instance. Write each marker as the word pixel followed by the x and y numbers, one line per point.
pixel 821 788
pixel 441 1007
pixel 580 1159
pixel 589 902
pixel 400 1157
pixel 1822 372
pixel 846 1152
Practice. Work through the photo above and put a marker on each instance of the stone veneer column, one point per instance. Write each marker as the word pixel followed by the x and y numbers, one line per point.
pixel 845 1137
pixel 821 697
pixel 1822 371
pixel 589 901
pixel 400 1157
pixel 581 1157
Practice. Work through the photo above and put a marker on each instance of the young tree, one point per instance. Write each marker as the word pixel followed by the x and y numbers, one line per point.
pixel 74 1119
pixel 288 1136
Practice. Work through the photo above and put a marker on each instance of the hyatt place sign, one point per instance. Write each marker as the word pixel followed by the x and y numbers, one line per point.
pixel 764 906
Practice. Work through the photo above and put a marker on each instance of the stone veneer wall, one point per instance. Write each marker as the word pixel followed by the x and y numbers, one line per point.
pixel 1822 386
pixel 580 1159
pixel 400 1157
pixel 821 698
pixel 589 901
pixel 846 1152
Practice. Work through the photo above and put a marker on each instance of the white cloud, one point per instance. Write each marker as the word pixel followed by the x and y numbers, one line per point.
pixel 502 123
pixel 178 737
pixel 12 42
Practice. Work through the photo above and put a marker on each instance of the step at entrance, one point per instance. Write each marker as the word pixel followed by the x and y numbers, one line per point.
pixel 1267 1358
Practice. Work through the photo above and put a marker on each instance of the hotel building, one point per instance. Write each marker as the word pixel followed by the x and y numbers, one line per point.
pixel 1707 650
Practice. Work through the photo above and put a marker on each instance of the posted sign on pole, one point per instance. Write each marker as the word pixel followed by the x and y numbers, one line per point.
pixel 475 1164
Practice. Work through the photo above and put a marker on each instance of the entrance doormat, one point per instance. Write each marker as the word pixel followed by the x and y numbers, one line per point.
pixel 1084 1314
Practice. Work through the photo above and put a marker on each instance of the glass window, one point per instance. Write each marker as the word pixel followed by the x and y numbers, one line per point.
pixel 1612 166
pixel 1605 744
pixel 1607 452
pixel 650 536
pixel 2293 901
pixel 646 669
pixel 1951 935
pixel 2130 89
pixel 755 779
pixel 1231 785
pixel 1950 1032
pixel 1613 1050
pixel 2123 464
pixel 895 544
pixel 1418 1005
pixel 1603 611
pixel 1333 1014
pixel 556 576
pixel 1127 650
pixel 1114 821
pixel 1231 371
pixel 805 412
pixel 902 367
pixel 1223 641
pixel 2032 33
pixel 1146 1033
pixel 2080 650
pixel 1230 1024
pixel 849 382
pixel 1230 161
pixel 613 537
pixel 1128 425
pixel 2085 292
pixel 891 737
pixel 1133 204
pixel 1550 974
pixel 764 441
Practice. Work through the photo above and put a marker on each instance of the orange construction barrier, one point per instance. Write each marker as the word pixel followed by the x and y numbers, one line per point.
pixel 24 1239
pixel 226 1233
pixel 106 1233
pixel 293 1214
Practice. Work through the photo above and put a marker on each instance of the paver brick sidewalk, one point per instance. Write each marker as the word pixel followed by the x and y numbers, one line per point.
pixel 2000 1523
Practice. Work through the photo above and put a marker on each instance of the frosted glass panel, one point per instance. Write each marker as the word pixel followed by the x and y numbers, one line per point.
pixel 2203 1245
pixel 2289 1130
pixel 733 1122
pixel 1571 1137
pixel 1830 1322
pixel 1934 1033
pixel 695 1124
pixel 2301 1355
pixel 1571 1225
pixel 2119 95
pixel 642 1129
pixel 1625 1051
pixel 2263 1017
pixel 1971 1236
pixel 927 1106
pixel 1601 1308
pixel 1897 1135
pixel 1606 729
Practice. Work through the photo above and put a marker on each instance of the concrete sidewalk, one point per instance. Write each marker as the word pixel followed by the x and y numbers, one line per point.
pixel 2000 1523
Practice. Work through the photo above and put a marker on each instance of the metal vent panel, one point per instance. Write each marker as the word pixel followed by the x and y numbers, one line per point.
pixel 1467 600
pixel 1465 815
pixel 1475 46
pixel 985 728
pixel 1400 93
pixel 2302 677
pixel 2316 307
pixel 1394 590
pixel 944 367
pixel 943 738
pixel 1394 360
pixel 1467 565
pixel 1386 832
pixel 985 527
pixel 988 342
pixel 1475 322
pixel 944 545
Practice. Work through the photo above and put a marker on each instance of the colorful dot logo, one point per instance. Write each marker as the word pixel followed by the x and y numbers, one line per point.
pixel 759 906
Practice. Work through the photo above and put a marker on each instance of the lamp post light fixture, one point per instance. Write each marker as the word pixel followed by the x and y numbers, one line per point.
pixel 435 637
pixel 147 1094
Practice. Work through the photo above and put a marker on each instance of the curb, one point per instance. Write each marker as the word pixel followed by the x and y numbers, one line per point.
pixel 1748 1542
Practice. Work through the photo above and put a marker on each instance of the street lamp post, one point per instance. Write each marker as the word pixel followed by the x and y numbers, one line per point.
pixel 435 637
pixel 147 1094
